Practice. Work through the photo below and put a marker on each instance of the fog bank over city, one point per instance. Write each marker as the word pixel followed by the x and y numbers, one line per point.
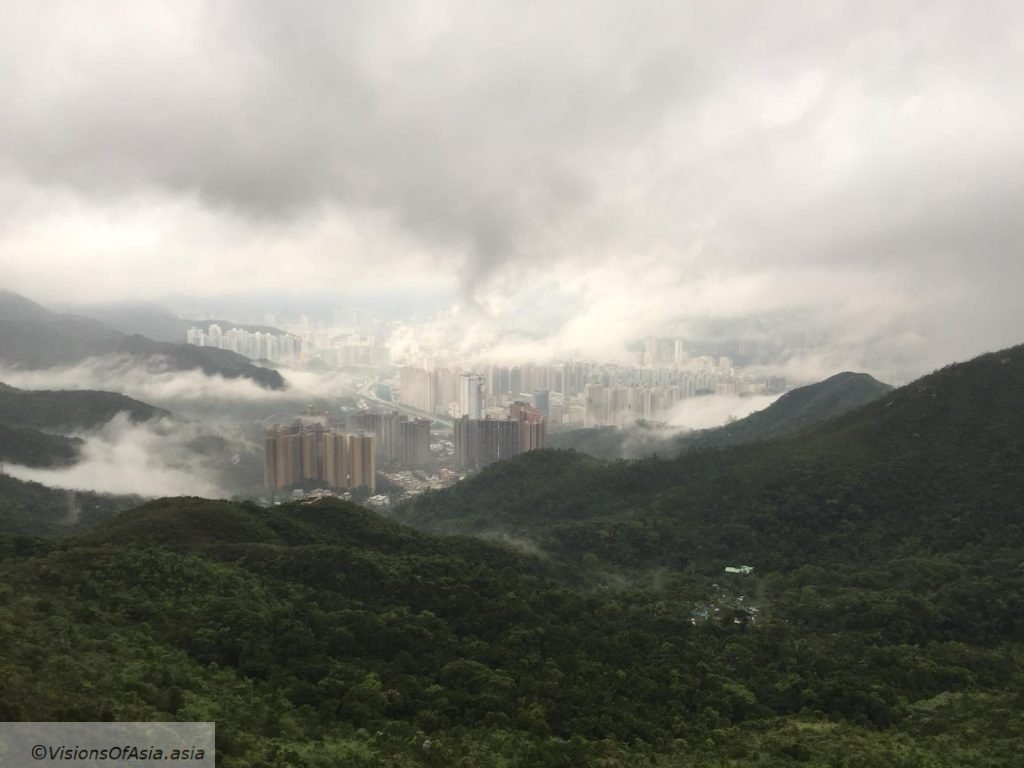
pixel 573 177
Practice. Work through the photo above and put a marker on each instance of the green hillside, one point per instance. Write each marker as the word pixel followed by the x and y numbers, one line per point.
pixel 33 337
pixel 880 625
pixel 30 509
pixel 936 464
pixel 33 448
pixel 69 410
pixel 320 634
pixel 796 410
pixel 640 439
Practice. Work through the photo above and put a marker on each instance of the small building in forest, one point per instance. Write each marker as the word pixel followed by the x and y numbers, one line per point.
pixel 741 569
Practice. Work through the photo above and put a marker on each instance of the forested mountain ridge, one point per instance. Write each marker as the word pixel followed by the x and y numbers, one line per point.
pixel 320 634
pixel 936 464
pixel 794 411
pixel 30 509
pixel 32 448
pixel 30 423
pixel 880 625
pixel 69 410
pixel 33 337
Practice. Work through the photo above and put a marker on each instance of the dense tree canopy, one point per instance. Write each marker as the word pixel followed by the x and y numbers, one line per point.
pixel 880 625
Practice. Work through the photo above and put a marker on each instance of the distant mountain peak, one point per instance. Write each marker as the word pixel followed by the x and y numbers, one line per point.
pixel 797 409
pixel 14 306
pixel 36 338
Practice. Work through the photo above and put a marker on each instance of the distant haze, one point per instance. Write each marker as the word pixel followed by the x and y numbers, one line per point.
pixel 576 175
pixel 170 388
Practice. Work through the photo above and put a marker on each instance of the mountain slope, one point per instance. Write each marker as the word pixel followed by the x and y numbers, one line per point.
pixel 881 620
pixel 794 411
pixel 33 337
pixel 15 307
pixel 319 634
pixel 633 442
pixel 69 410
pixel 33 448
pixel 30 509
pixel 936 466
pixel 151 320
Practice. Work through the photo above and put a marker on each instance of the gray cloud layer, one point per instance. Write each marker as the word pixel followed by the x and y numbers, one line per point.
pixel 589 165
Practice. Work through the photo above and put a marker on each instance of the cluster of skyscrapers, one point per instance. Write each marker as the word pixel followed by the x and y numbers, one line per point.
pixel 622 406
pixel 445 391
pixel 254 345
pixel 482 441
pixel 301 454
pixel 401 440
pixel 354 350
pixel 577 393
pixel 483 430
pixel 496 411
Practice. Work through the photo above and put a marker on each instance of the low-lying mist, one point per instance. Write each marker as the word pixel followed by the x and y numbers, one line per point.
pixel 715 410
pixel 161 457
pixel 663 436
pixel 690 415
pixel 210 448
pixel 152 381
pixel 187 393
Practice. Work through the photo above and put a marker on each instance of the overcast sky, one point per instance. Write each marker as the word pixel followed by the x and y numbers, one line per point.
pixel 590 172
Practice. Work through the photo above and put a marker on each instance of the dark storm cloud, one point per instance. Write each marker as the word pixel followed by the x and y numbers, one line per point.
pixel 729 148
pixel 269 109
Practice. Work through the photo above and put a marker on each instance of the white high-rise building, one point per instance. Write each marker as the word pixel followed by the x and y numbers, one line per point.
pixel 472 394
